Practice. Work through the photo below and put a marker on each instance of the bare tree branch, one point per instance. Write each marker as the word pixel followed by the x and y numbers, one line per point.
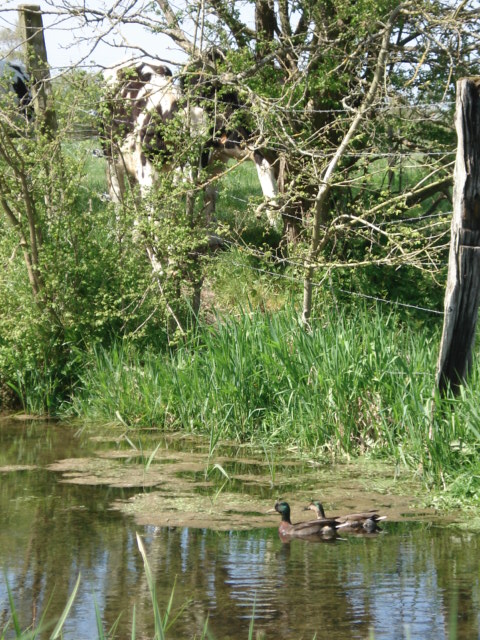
pixel 174 30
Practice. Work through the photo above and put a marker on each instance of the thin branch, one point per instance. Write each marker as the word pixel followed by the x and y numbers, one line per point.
pixel 174 30
pixel 324 188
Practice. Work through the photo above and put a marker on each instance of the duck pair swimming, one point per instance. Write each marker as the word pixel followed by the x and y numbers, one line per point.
pixel 365 522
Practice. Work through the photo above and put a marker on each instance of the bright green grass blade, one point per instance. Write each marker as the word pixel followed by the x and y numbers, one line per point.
pixel 61 621
pixel 252 620
pixel 152 456
pixel 134 623
pixel 98 619
pixel 159 631
pixel 16 625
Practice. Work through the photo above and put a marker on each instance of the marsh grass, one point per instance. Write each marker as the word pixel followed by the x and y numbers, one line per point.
pixel 356 384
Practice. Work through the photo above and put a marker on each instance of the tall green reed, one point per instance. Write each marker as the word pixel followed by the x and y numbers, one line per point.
pixel 357 383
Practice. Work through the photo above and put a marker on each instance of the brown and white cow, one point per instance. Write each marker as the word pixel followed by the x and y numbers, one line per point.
pixel 142 96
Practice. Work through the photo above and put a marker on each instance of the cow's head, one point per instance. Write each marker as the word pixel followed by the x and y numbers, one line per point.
pixel 136 88
pixel 228 119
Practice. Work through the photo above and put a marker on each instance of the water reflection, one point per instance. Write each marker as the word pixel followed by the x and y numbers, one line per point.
pixel 404 582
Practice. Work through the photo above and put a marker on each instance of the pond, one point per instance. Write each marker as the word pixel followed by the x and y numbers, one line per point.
pixel 73 504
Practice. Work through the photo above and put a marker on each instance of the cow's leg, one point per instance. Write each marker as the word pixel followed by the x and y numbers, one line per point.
pixel 146 174
pixel 215 167
pixel 210 193
pixel 268 184
pixel 146 177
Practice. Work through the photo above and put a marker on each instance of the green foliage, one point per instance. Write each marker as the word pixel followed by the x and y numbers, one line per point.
pixel 91 275
pixel 83 312
pixel 357 384
pixel 76 272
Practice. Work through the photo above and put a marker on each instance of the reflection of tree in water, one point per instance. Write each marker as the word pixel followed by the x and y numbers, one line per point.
pixel 71 532
pixel 389 583
pixel 313 598
pixel 51 531
pixel 230 575
pixel 409 582
pixel 456 557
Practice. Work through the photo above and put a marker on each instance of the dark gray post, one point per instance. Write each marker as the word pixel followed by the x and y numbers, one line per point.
pixel 462 294
pixel 31 27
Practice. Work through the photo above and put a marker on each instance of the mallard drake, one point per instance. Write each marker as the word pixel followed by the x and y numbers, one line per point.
pixel 325 527
pixel 365 521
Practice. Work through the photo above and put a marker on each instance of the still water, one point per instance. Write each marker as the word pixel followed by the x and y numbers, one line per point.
pixel 414 580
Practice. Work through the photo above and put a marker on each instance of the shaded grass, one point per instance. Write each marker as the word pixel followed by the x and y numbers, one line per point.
pixel 356 384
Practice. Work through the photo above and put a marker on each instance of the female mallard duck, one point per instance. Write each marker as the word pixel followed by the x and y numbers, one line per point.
pixel 325 527
pixel 365 521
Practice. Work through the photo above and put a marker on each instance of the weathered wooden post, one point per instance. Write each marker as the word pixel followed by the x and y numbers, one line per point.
pixel 462 294
pixel 31 27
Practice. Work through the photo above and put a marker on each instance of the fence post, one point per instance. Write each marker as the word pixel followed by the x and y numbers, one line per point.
pixel 462 295
pixel 31 27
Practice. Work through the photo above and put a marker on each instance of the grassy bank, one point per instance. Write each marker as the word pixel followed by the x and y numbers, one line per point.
pixel 360 383
pixel 357 384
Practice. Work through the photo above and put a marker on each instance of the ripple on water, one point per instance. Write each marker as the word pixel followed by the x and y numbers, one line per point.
pixel 406 581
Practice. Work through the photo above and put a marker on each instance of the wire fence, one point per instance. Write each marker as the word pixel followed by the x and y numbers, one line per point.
pixel 356 294
pixel 429 109
pixel 296 277
pixel 298 280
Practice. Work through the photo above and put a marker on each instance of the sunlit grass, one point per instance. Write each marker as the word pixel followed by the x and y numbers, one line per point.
pixel 357 384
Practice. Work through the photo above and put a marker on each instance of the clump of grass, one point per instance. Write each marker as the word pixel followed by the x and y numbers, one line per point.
pixel 260 377
pixel 123 385
pixel 13 628
pixel 355 384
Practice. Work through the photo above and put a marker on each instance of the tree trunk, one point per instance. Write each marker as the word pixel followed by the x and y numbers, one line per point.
pixel 265 26
pixel 320 214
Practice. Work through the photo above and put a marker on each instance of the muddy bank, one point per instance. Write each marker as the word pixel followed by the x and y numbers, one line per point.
pixel 182 484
